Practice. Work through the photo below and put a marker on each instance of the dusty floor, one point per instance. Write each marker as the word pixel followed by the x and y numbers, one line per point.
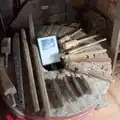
pixel 112 111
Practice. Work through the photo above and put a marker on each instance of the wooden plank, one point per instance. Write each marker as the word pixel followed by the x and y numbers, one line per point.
pixel 30 71
pixel 38 68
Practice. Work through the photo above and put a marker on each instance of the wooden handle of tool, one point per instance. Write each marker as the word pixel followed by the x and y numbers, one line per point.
pixel 68 37
pixel 74 43
pixel 80 56
pixel 87 46
pixel 70 44
pixel 6 85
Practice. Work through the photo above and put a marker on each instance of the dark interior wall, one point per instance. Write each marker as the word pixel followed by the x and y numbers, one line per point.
pixel 6 7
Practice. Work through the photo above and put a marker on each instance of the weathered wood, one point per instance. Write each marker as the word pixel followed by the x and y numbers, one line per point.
pixel 38 68
pixel 43 12
pixel 18 71
pixel 115 43
pixel 30 71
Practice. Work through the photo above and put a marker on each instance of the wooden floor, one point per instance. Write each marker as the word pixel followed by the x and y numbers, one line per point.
pixel 112 111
